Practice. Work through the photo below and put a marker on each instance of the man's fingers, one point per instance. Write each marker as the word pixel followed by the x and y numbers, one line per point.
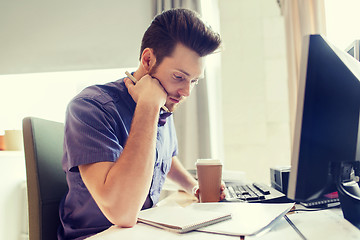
pixel 128 82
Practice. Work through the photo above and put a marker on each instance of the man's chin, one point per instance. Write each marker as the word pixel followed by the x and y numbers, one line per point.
pixel 171 107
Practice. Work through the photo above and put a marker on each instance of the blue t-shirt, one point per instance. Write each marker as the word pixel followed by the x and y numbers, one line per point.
pixel 97 126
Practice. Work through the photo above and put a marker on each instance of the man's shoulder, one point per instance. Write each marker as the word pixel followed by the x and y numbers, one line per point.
pixel 103 93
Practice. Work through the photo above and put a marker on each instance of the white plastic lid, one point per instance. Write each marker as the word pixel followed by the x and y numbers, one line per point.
pixel 208 162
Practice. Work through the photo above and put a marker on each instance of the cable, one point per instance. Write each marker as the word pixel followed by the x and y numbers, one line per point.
pixel 313 210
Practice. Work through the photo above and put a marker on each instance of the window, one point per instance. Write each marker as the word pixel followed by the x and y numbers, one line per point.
pixel 45 95
pixel 342 22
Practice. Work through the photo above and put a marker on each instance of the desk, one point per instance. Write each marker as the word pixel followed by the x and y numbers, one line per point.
pixel 142 231
pixel 326 224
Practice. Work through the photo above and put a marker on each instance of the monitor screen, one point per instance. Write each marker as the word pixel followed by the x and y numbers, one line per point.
pixel 327 118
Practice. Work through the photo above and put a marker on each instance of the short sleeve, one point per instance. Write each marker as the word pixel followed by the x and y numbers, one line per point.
pixel 91 133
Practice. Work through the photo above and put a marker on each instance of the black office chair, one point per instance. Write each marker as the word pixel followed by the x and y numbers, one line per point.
pixel 46 182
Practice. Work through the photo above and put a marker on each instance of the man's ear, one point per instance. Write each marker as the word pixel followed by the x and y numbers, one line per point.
pixel 148 59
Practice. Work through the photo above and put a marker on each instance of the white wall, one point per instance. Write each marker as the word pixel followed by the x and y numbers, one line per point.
pixel 46 36
pixel 254 77
pixel 13 215
pixel 60 36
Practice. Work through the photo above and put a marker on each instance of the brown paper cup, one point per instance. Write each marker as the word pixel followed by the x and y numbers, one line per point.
pixel 209 173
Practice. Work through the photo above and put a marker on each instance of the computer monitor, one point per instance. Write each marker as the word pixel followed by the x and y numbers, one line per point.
pixel 354 49
pixel 326 150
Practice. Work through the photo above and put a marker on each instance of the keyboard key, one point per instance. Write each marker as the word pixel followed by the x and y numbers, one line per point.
pixel 263 189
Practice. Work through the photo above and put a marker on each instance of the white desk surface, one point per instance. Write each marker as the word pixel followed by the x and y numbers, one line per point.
pixel 325 224
pixel 142 231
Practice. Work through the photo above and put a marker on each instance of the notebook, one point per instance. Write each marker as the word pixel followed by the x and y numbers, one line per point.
pixel 248 219
pixel 179 219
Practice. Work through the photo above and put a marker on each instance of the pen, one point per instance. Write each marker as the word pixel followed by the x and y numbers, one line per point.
pixel 131 77
pixel 294 227
pixel 135 81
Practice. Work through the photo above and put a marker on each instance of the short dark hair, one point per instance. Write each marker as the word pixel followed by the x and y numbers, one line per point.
pixel 179 26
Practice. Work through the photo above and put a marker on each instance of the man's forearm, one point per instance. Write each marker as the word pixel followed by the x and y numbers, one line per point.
pixel 135 165
pixel 181 176
pixel 111 184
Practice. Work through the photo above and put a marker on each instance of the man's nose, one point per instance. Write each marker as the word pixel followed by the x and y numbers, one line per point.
pixel 185 89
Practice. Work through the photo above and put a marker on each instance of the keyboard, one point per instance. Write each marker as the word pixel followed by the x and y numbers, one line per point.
pixel 252 192
pixel 237 191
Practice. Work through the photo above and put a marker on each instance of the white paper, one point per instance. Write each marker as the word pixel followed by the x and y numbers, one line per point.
pixel 325 224
pixel 247 218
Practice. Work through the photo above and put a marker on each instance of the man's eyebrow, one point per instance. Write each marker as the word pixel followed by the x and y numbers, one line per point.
pixel 188 74
pixel 184 72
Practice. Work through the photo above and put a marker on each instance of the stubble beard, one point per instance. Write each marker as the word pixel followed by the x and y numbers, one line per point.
pixel 170 106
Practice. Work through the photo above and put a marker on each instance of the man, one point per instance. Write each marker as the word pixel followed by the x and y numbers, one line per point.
pixel 119 143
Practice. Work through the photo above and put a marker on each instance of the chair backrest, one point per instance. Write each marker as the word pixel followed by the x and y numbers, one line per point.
pixel 46 181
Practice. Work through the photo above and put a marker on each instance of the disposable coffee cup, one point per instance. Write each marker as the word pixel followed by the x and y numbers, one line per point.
pixel 13 140
pixel 209 173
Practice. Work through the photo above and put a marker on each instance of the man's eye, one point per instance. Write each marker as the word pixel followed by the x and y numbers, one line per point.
pixel 177 77
pixel 195 81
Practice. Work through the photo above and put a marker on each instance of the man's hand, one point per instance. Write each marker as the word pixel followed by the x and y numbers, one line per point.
pixel 147 89
pixel 196 191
